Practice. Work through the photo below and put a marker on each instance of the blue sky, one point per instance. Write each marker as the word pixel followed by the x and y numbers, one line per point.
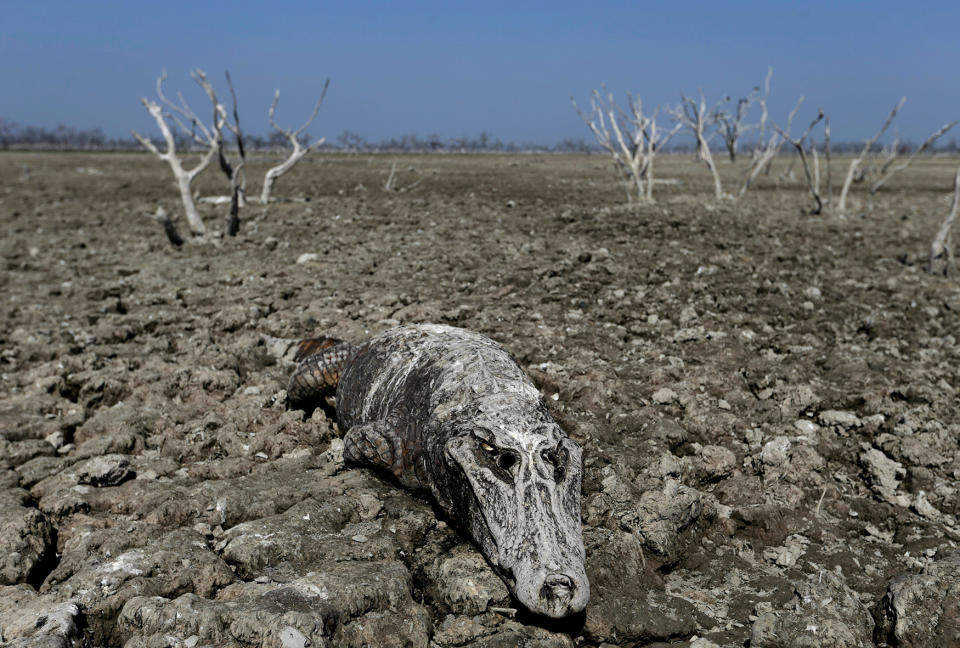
pixel 459 68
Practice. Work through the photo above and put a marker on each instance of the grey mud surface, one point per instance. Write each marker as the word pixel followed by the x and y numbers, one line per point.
pixel 767 403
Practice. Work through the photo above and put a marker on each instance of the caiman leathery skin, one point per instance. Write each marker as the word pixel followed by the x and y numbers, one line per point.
pixel 448 411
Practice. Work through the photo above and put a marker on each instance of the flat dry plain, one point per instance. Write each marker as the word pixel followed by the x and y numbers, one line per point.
pixel 767 402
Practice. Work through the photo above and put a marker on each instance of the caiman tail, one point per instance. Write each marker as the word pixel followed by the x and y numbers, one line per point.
pixel 321 363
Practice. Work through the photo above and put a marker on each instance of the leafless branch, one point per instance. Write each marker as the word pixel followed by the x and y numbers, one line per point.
pixel 695 118
pixel 391 185
pixel 941 249
pixel 183 176
pixel 732 125
pixel 182 111
pixel 772 148
pixel 798 144
pixel 889 169
pixel 293 136
pixel 889 154
pixel 856 162
pixel 236 173
pixel 631 138
pixel 761 126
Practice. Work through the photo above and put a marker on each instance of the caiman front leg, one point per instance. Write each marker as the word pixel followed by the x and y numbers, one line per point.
pixel 379 445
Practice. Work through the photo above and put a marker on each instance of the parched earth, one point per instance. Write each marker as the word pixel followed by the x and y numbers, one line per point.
pixel 767 402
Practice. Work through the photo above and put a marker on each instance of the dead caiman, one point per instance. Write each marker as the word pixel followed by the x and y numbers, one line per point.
pixel 449 412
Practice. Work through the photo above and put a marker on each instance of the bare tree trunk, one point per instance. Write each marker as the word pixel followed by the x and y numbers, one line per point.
pixel 184 178
pixel 236 173
pixel 648 176
pixel 388 185
pixel 184 182
pixel 856 162
pixel 732 126
pixel 708 160
pixel 798 144
pixel 731 150
pixel 828 199
pixel 816 166
pixel 941 249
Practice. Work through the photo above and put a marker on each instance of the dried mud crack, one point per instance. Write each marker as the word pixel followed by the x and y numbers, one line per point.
pixel 767 405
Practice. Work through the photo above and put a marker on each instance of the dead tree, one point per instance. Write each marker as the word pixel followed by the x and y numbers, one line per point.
pixel 812 182
pixel 633 142
pixel 182 115
pixel 890 169
pixel 769 151
pixel 941 249
pixel 733 126
pixel 391 184
pixel 293 136
pixel 858 161
pixel 695 118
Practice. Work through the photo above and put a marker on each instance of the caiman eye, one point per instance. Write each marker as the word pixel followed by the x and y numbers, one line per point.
pixel 504 459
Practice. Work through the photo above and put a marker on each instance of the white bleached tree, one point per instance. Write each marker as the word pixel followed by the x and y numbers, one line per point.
pixel 733 125
pixel 813 177
pixel 857 162
pixel 294 137
pixel 207 136
pixel 941 249
pixel 697 119
pixel 630 137
pixel 763 155
pixel 891 167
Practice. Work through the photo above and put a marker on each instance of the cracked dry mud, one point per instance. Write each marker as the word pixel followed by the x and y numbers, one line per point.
pixel 767 403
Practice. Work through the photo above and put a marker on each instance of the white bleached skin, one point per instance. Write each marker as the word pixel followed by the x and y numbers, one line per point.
pixel 450 412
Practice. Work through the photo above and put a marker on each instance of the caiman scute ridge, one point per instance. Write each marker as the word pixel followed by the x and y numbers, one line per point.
pixel 449 412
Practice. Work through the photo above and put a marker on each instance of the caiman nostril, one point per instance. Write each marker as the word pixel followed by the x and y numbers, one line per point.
pixel 558 587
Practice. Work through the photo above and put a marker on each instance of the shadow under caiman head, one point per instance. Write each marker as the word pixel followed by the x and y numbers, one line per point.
pixel 521 505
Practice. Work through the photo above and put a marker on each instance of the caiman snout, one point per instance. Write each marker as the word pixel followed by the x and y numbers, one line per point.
pixel 559 596
pixel 557 591
pixel 525 514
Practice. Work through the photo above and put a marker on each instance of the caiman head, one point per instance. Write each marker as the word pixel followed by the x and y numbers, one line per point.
pixel 520 501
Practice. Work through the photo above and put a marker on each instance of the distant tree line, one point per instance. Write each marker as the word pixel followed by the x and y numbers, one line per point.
pixel 68 138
